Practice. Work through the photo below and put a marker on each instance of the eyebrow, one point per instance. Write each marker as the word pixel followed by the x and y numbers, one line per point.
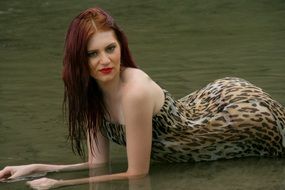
pixel 113 43
pixel 94 50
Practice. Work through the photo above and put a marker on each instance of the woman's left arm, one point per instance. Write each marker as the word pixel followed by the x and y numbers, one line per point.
pixel 137 106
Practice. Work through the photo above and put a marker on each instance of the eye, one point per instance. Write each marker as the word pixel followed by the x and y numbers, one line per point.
pixel 111 48
pixel 92 54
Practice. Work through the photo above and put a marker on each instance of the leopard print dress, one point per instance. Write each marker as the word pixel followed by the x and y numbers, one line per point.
pixel 228 118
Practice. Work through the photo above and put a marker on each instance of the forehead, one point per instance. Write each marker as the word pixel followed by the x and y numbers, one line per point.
pixel 101 39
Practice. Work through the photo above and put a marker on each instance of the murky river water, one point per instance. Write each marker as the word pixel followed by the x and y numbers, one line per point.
pixel 182 45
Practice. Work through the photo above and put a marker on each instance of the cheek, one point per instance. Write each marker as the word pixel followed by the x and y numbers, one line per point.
pixel 92 68
pixel 92 64
pixel 118 57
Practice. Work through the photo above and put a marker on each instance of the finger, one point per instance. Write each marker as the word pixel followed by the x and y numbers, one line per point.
pixel 15 175
pixel 4 174
pixel 32 184
pixel 28 183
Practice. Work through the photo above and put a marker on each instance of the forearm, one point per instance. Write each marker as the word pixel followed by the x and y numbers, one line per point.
pixel 59 168
pixel 66 167
pixel 97 179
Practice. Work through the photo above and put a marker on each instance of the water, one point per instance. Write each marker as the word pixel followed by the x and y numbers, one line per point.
pixel 182 45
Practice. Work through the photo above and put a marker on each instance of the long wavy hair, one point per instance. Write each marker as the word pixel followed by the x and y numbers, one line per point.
pixel 83 102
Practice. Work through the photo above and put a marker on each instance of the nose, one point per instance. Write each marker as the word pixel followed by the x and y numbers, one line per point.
pixel 104 59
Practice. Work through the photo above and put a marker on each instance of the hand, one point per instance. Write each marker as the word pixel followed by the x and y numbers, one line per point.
pixel 43 184
pixel 12 172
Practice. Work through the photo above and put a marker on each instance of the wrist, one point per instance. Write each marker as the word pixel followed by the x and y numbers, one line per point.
pixel 58 183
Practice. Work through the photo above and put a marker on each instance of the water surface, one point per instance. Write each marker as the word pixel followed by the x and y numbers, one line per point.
pixel 182 45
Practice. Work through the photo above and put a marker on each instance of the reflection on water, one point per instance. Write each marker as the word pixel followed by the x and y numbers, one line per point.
pixel 182 45
pixel 249 173
pixel 245 173
pixel 222 175
pixel 131 184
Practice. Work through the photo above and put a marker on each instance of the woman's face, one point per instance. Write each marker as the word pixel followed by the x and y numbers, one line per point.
pixel 104 54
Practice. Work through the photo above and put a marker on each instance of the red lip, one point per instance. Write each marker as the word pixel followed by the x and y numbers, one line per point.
pixel 106 70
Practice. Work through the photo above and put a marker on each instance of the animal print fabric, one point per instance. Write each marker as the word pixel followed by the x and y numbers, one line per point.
pixel 228 118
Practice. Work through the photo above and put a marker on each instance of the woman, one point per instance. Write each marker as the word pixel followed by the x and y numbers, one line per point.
pixel 108 98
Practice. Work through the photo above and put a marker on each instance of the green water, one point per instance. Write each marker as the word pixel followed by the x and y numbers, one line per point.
pixel 182 45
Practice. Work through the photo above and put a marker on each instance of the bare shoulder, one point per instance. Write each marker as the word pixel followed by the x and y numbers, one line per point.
pixel 133 75
pixel 141 90
pixel 136 84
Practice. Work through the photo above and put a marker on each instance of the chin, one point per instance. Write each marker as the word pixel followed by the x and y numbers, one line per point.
pixel 106 79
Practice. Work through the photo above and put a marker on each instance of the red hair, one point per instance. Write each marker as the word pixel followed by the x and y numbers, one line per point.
pixel 83 99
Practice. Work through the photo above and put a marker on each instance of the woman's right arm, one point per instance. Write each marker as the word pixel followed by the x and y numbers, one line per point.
pixel 12 172
pixel 98 157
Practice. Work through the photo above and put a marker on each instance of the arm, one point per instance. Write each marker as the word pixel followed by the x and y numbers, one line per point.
pixel 99 155
pixel 138 136
pixel 12 172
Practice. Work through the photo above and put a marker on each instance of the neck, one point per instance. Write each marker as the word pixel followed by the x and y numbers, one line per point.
pixel 111 88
